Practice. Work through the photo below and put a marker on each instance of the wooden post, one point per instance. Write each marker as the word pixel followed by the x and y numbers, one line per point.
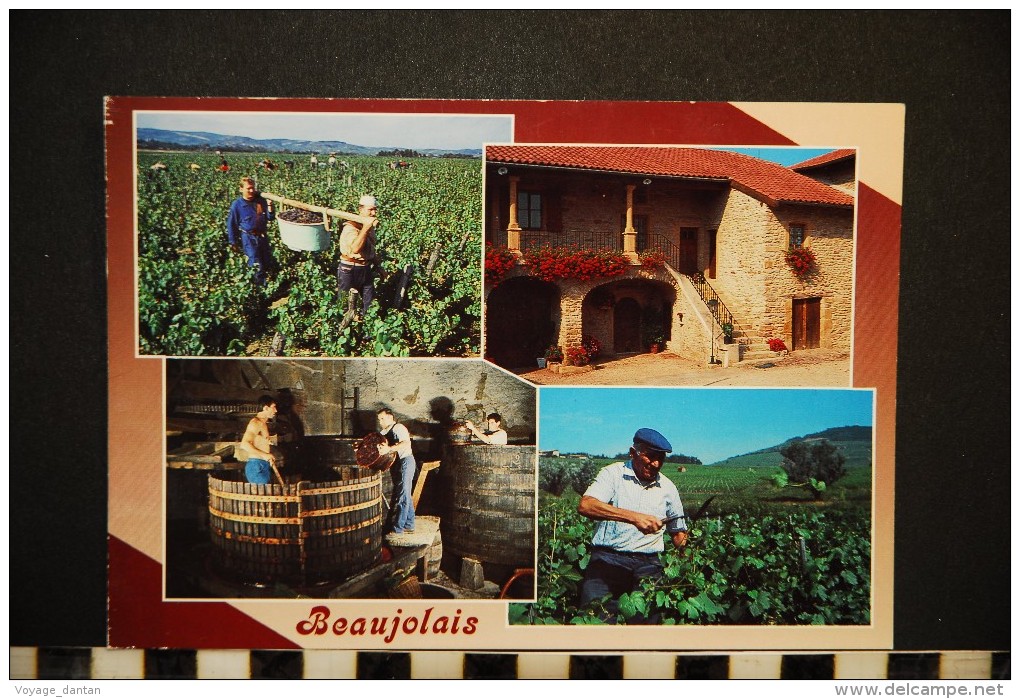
pixel 405 280
pixel 433 258
pixel 425 468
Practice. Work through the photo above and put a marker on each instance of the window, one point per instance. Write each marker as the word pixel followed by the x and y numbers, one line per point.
pixel 529 210
pixel 796 236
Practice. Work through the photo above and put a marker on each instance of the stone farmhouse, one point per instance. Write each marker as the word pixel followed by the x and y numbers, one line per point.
pixel 722 222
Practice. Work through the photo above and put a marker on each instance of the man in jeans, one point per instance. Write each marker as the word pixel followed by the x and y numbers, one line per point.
pixel 633 505
pixel 246 228
pixel 358 253
pixel 398 440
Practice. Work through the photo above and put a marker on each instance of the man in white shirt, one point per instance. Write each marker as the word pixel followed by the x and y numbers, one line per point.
pixel 494 434
pixel 398 440
pixel 633 505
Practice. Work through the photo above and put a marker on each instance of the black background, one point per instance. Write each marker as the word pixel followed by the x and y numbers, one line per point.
pixel 951 69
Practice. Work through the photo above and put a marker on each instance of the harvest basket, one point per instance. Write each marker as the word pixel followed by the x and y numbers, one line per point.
pixel 312 237
pixel 409 588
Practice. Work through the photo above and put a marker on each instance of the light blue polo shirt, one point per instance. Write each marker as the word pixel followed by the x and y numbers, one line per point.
pixel 617 485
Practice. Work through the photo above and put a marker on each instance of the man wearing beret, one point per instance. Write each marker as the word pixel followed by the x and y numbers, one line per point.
pixel 632 504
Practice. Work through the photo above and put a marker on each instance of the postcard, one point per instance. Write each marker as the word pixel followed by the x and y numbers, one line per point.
pixel 501 375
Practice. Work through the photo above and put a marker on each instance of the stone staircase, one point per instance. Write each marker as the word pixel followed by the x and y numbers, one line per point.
pixel 755 350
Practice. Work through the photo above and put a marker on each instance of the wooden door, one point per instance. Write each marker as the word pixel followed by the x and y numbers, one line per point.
pixel 807 323
pixel 627 326
pixel 688 251
pixel 713 239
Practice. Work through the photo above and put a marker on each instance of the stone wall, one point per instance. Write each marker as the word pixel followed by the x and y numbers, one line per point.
pixel 693 325
pixel 419 391
pixel 743 235
pixel 829 234
pixel 435 389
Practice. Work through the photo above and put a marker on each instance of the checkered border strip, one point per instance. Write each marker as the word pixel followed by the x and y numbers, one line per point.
pixel 104 663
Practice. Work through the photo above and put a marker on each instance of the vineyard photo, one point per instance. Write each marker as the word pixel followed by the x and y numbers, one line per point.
pixel 767 543
pixel 197 296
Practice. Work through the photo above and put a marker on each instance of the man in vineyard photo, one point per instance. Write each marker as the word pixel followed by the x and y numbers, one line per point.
pixel 632 505
pixel 358 253
pixel 246 228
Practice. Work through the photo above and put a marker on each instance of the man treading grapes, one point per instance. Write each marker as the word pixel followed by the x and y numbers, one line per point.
pixel 358 253
pixel 246 228
pixel 632 504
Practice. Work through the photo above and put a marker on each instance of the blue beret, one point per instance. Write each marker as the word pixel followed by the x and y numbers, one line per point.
pixel 650 437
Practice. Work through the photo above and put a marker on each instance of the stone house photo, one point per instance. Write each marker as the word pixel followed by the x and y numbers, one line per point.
pixel 705 254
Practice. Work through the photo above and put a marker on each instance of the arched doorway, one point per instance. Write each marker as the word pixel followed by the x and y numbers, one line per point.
pixel 521 319
pixel 627 325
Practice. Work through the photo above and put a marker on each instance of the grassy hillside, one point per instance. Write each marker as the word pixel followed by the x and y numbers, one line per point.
pixel 746 480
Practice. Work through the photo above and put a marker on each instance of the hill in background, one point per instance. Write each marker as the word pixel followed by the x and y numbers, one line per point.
pixel 854 442
pixel 164 139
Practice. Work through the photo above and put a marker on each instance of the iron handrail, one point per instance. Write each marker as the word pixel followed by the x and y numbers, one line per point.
pixel 674 257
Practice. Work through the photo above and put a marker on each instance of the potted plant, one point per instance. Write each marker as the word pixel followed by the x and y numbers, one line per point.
pixel 575 356
pixel 727 331
pixel 553 354
pixel 655 342
pixel 653 328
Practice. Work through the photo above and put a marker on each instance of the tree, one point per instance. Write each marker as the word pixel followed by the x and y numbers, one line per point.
pixel 814 465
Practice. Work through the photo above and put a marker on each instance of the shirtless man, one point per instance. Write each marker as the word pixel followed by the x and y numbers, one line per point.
pixel 261 461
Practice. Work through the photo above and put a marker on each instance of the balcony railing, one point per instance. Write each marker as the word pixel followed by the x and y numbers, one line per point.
pixel 575 240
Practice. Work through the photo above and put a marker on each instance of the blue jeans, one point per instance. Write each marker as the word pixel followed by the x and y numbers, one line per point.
pixel 616 572
pixel 257 471
pixel 358 277
pixel 256 247
pixel 403 500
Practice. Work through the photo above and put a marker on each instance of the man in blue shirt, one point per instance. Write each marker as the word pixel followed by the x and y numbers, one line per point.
pixel 246 227
pixel 632 504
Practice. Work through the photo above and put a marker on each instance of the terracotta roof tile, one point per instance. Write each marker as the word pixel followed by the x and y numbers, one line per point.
pixel 766 179
pixel 825 158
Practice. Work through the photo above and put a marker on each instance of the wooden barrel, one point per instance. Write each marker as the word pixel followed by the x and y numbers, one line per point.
pixel 303 533
pixel 491 515
pixel 458 432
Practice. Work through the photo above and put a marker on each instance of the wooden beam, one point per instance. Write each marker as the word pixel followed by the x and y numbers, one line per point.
pixel 425 468
pixel 324 210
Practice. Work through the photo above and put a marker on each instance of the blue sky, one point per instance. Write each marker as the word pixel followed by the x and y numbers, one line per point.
pixel 784 156
pixel 373 130
pixel 711 424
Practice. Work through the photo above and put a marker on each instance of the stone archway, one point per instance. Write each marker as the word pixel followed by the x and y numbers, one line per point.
pixel 622 315
pixel 521 319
